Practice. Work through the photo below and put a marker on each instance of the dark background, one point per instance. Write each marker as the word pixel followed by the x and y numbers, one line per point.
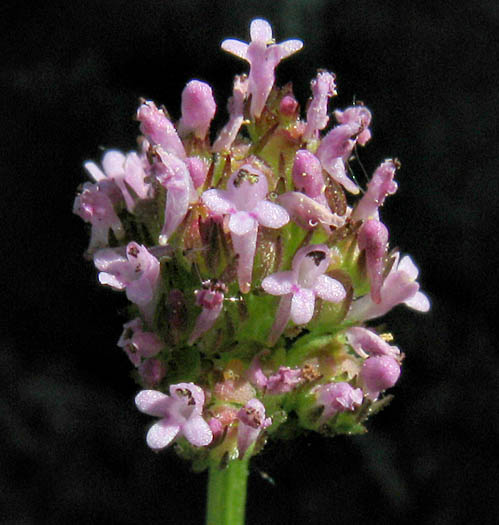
pixel 71 442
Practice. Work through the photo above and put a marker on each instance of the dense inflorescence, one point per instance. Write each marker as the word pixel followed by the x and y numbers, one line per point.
pixel 251 263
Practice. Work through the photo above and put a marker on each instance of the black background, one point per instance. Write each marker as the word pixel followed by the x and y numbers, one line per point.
pixel 71 442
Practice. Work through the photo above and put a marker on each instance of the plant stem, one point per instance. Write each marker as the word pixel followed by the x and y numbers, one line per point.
pixel 227 493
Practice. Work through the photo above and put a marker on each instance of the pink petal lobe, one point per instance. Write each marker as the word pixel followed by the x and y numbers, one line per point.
pixel 279 283
pixel 302 306
pixel 288 47
pixel 235 47
pixel 161 434
pixel 270 215
pixel 217 201
pixel 419 302
pixel 152 402
pixel 197 431
pixel 329 289
pixel 260 31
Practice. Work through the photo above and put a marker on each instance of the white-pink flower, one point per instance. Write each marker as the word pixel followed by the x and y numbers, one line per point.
pixel 173 174
pixel 137 343
pixel 95 205
pixel 136 270
pixel 399 286
pixel 180 414
pixel 245 202
pixel 337 397
pixel 381 185
pixel 210 298
pixel 263 56
pixel 125 170
pixel 235 107
pixel 301 285
pixel 337 146
pixel 252 421
pixel 366 342
pixel 323 88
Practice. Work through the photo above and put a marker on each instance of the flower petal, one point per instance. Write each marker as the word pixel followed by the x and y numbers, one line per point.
pixel 302 306
pixel 407 265
pixel 419 302
pixel 288 47
pixel 260 31
pixel 279 283
pixel 236 47
pixel 218 202
pixel 152 402
pixel 329 289
pixel 197 431
pixel 161 434
pixel 270 215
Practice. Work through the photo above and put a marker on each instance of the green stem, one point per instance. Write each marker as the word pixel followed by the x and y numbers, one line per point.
pixel 227 493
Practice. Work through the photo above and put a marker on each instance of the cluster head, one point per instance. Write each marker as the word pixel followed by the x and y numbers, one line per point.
pixel 252 260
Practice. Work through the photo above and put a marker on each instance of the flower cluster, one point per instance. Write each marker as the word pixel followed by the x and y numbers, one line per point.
pixel 250 264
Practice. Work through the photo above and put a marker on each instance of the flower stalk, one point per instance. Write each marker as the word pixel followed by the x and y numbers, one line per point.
pixel 226 495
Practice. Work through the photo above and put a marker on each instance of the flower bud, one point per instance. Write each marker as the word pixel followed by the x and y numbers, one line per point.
pixel 198 109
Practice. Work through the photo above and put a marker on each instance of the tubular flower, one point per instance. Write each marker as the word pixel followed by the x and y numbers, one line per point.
pixel 301 285
pixel 399 287
pixel 180 414
pixel 252 421
pixel 323 88
pixel 337 397
pixel 263 56
pixel 245 203
pixel 94 205
pixel 136 271
pixel 138 344
pixel 203 238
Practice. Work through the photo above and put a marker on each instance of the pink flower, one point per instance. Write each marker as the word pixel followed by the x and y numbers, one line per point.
pixel 379 373
pixel 336 147
pixel 337 397
pixel 323 88
pixel 158 129
pixel 138 344
pixel 252 421
pixel 373 239
pixel 95 206
pixel 284 380
pixel 359 118
pixel 210 298
pixel 366 342
pixel 308 213
pixel 301 285
pixel 381 185
pixel 235 107
pixel 245 202
pixel 151 372
pixel 400 286
pixel 180 413
pixel 263 56
pixel 137 272
pixel 124 171
pixel 173 174
pixel 198 109
pixel 307 176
